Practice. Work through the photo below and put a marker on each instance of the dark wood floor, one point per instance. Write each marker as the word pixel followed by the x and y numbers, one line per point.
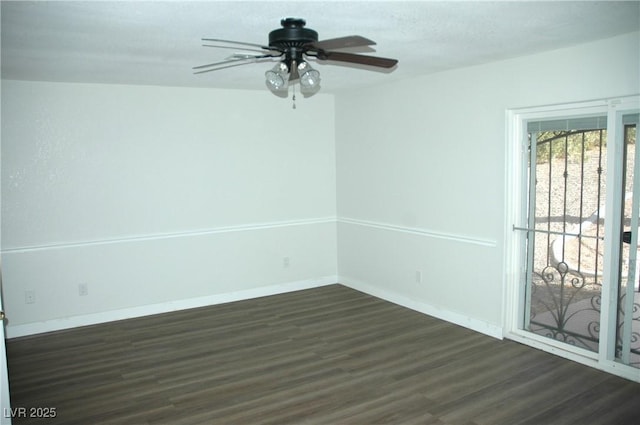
pixel 329 355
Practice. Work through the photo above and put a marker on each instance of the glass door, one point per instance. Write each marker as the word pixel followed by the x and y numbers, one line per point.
pixel 565 231
pixel 627 349
pixel 573 253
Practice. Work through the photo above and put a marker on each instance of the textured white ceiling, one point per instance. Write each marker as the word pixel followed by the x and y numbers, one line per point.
pixel 157 43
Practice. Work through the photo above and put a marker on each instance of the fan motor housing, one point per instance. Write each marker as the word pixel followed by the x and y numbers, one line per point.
pixel 292 34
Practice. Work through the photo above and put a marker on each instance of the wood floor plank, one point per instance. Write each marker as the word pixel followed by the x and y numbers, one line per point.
pixel 329 355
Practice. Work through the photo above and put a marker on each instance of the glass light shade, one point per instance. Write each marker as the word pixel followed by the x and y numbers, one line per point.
pixel 276 78
pixel 309 77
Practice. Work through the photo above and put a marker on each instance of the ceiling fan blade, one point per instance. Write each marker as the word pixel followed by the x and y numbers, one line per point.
pixel 359 59
pixel 249 49
pixel 245 56
pixel 239 43
pixel 228 62
pixel 342 43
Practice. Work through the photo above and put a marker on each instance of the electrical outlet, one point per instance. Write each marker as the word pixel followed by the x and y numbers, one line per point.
pixel 83 289
pixel 30 297
pixel 418 276
pixel 286 261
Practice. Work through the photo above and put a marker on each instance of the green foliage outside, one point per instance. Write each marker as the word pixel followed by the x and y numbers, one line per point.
pixel 558 144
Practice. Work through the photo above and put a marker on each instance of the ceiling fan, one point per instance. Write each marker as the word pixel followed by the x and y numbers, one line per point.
pixel 294 43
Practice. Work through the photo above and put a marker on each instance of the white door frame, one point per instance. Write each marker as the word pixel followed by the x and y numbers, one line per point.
pixel 5 399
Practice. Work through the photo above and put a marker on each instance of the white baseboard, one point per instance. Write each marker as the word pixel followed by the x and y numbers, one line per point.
pixel 147 310
pixel 439 313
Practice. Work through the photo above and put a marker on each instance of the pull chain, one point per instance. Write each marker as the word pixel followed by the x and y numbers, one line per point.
pixel 294 97
pixel 294 65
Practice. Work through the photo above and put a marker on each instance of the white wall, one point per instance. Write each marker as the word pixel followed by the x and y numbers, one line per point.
pixel 153 196
pixel 421 185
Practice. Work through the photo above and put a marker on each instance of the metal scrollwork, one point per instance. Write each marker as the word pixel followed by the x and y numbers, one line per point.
pixel 563 308
pixel 635 334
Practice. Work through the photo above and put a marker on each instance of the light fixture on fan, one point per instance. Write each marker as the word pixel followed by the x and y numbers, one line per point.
pixel 309 78
pixel 278 78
